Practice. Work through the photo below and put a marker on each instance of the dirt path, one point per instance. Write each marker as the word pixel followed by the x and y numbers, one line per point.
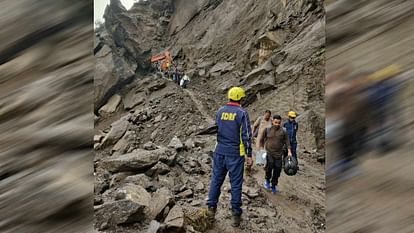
pixel 199 106
pixel 299 196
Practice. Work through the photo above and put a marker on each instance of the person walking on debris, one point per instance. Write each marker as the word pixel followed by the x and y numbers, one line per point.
pixel 233 145
pixel 274 139
pixel 184 81
pixel 259 126
pixel 291 127
pixel 179 75
pixel 174 74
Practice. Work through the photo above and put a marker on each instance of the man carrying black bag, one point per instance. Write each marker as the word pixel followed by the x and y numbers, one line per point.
pixel 274 139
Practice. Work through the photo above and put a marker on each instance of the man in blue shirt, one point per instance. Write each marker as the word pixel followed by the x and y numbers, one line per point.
pixel 291 127
pixel 234 141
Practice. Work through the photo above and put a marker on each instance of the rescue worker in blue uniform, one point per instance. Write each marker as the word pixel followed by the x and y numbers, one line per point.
pixel 291 127
pixel 234 141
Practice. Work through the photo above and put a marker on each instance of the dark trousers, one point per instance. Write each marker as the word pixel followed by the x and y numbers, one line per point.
pixel 293 147
pixel 223 164
pixel 273 169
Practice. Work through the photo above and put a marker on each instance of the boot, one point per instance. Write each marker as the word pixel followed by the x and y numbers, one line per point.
pixel 211 213
pixel 235 220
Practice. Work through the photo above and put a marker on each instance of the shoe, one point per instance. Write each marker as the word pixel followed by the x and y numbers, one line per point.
pixel 211 213
pixel 274 189
pixel 235 220
pixel 266 185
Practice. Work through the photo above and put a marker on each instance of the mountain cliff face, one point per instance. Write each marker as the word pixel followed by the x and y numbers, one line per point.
pixel 275 50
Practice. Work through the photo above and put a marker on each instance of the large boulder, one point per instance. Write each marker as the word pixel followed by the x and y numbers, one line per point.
pixel 133 99
pixel 125 143
pixel 130 207
pixel 159 201
pixel 111 105
pixel 117 130
pixel 154 227
pixel 158 169
pixel 139 161
pixel 110 72
pixel 141 180
pixel 175 219
pixel 261 70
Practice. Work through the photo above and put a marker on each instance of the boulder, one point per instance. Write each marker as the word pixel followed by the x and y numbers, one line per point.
pixel 154 227
pixel 159 201
pixel 176 143
pixel 221 67
pixel 118 212
pixel 133 99
pixel 137 161
pixel 261 70
pixel 125 143
pixel 159 168
pixel 111 105
pixel 134 193
pixel 186 193
pixel 141 180
pixel 117 130
pixel 175 218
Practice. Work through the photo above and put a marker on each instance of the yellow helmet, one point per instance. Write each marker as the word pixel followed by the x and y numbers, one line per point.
pixel 387 72
pixel 236 93
pixel 292 114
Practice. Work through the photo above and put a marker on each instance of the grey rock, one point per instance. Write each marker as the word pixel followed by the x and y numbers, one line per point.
pixel 189 143
pixel 118 212
pixel 221 67
pixel 141 180
pixel 136 194
pixel 117 179
pixel 159 201
pixel 125 143
pixel 138 161
pixel 176 143
pixel 98 138
pixel 117 130
pixel 159 168
pixel 199 186
pixel 111 105
pixel 187 193
pixel 133 99
pixel 175 218
pixel 153 227
pixel 150 146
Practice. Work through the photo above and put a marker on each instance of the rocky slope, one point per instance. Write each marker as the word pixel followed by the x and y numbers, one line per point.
pixel 151 171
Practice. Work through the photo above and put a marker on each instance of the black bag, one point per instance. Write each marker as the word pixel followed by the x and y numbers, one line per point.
pixel 290 166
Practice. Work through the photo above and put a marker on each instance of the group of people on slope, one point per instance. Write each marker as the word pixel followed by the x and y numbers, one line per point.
pixel 179 77
pixel 277 141
pixel 234 149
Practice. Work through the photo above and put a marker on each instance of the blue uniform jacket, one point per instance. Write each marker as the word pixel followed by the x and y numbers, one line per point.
pixel 234 131
pixel 291 128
